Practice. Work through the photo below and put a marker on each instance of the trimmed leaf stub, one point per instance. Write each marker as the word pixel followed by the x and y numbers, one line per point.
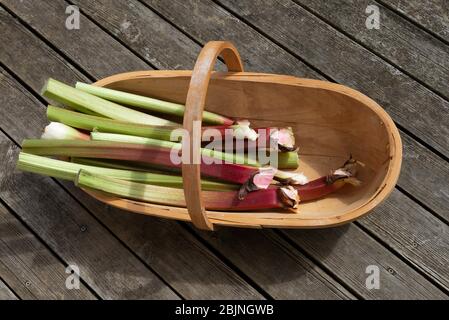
pixel 284 139
pixel 242 131
pixel 289 196
pixel 346 173
pixel 258 181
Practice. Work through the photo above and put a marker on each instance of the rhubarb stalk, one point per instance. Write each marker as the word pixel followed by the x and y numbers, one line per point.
pixel 325 185
pixel 69 170
pixel 91 123
pixel 286 160
pixel 284 197
pixel 148 103
pixel 222 156
pixel 235 173
pixel 88 103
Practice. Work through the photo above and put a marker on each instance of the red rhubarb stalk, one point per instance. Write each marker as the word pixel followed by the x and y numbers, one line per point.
pixel 283 197
pixel 154 155
pixel 325 185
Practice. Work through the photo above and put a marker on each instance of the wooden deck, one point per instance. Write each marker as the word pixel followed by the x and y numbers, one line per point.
pixel 46 224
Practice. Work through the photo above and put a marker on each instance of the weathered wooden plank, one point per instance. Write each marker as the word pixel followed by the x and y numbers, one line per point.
pixel 145 32
pixel 222 26
pixel 29 268
pixel 397 40
pixel 6 293
pixel 100 54
pixel 21 55
pixel 98 51
pixel 186 259
pixel 411 168
pixel 432 15
pixel 185 263
pixel 142 246
pixel 348 253
pixel 415 233
pixel 271 262
pixel 25 46
pixel 106 265
pixel 425 176
pixel 413 106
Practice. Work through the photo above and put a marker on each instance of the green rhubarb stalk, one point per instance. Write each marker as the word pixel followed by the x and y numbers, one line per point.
pixel 69 170
pixel 159 195
pixel 227 157
pixel 92 123
pixel 83 101
pixel 126 165
pixel 147 103
pixel 288 160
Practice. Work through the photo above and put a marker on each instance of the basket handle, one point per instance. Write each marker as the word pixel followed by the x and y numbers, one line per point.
pixel 196 98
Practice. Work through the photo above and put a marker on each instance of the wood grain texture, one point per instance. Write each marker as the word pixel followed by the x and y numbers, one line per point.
pixel 414 233
pixel 220 26
pixel 6 293
pixel 25 46
pixel 413 106
pixel 155 40
pixel 259 258
pixel 167 247
pixel 105 264
pixel 273 264
pixel 398 40
pixel 432 15
pixel 99 52
pixel 348 252
pixel 28 267
pixel 108 267
pixel 425 176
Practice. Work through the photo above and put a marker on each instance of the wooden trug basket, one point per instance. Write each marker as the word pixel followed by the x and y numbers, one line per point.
pixel 330 122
